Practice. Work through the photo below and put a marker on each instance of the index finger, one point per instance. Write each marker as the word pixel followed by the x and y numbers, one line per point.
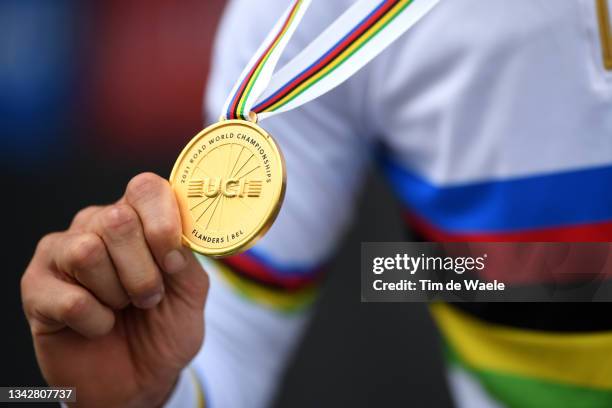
pixel 154 201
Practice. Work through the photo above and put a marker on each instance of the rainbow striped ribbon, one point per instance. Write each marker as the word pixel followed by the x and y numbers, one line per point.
pixel 349 43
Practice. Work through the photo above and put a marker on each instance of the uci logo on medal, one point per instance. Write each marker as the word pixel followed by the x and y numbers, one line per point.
pixel 231 187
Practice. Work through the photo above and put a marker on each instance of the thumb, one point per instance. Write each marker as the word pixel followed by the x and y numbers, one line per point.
pixel 188 280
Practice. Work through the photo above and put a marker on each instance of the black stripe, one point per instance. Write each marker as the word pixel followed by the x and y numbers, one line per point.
pixel 295 85
pixel 558 317
pixel 554 317
pixel 277 287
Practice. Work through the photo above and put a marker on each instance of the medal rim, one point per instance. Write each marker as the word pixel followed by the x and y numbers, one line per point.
pixel 267 221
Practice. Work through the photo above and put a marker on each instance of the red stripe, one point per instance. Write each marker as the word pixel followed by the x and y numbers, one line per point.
pixel 599 232
pixel 331 56
pixel 246 79
pixel 249 267
pixel 539 263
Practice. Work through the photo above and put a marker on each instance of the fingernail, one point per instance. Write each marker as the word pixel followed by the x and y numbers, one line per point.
pixel 175 261
pixel 150 301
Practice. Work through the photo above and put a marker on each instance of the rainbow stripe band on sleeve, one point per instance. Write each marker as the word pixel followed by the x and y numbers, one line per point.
pixel 236 109
pixel 529 368
pixel 294 300
pixel 339 54
pixel 198 385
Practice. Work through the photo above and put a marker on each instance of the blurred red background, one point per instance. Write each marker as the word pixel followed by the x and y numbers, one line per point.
pixel 147 71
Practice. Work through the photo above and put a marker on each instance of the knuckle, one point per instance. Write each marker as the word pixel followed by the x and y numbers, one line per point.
pixel 26 293
pixel 143 186
pixel 85 251
pixel 164 229
pixel 31 290
pixel 120 219
pixel 46 243
pixel 120 303
pixel 145 286
pixel 84 215
pixel 75 306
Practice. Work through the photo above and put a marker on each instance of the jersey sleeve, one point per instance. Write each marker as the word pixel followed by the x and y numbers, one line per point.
pixel 259 301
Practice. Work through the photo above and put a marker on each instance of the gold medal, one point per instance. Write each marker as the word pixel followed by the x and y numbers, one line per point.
pixel 229 182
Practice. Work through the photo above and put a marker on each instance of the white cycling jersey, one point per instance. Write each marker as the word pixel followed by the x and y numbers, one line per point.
pixel 492 120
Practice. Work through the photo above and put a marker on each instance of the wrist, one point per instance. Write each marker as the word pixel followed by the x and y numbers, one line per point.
pixel 187 392
pixel 159 395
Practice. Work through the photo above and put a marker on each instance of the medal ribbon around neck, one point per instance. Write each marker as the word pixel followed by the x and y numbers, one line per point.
pixel 249 199
pixel 349 43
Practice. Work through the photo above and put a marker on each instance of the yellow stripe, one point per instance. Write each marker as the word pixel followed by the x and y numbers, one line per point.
pixel 339 59
pixel 275 299
pixel 200 391
pixel 583 359
pixel 255 75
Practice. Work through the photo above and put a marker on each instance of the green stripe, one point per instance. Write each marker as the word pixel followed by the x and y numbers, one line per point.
pixel 260 67
pixel 252 82
pixel 344 59
pixel 525 392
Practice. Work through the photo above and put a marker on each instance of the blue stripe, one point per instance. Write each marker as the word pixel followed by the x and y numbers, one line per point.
pixel 322 57
pixel 283 269
pixel 555 200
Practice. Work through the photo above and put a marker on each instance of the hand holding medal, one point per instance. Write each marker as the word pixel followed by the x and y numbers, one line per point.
pixel 230 179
